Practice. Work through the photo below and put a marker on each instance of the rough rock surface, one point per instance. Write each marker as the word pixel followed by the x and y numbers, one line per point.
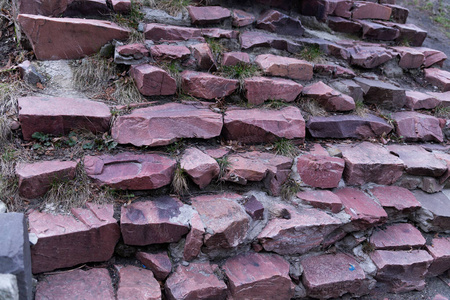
pixel 195 281
pixel 68 38
pixel 129 171
pixel 201 167
pixel 35 179
pixel 435 212
pixel 277 22
pixel 93 284
pixel 439 78
pixel 159 263
pixel 364 211
pixel 370 10
pixel 208 14
pixel 162 32
pixel 235 58
pixel 64 241
pixel 382 93
pixel 170 52
pixel 368 162
pixel 194 239
pixel 417 100
pixel 163 124
pixel 200 85
pixel 161 220
pixel 204 57
pixel 153 81
pixel 330 276
pixel 137 283
pixel 395 200
pixel 321 199
pixel 57 116
pixel 329 98
pixel 258 276
pixel 416 127
pixel 401 236
pixel 440 251
pixel 260 89
pixel 320 171
pixel 242 18
pixel 263 125
pixel 274 65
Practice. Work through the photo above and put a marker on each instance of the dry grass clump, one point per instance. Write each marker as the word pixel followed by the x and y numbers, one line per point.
pixel 313 108
pixel 172 7
pixel 179 181
pixel 9 93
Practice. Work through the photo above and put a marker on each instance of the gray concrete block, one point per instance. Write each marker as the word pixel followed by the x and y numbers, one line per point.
pixel 15 255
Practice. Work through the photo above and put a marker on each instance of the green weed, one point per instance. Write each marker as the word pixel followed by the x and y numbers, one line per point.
pixel 240 71
pixel 311 53
pixel 224 164
pixel 289 189
pixel 172 7
pixel 285 147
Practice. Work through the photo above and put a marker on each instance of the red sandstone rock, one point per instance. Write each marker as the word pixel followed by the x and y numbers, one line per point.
pixel 413 127
pixel 419 161
pixel 250 39
pixel 93 284
pixel 329 98
pixel 161 220
pixel 402 271
pixel 443 98
pixel 440 251
pixel 364 211
pixel 64 241
pixel 401 236
pixel 50 8
pixel 344 25
pixel 204 57
pixel 162 32
pixel 137 50
pixel 158 263
pixel 54 115
pixel 320 171
pixel 263 125
pixel 409 32
pixel 368 56
pixel 417 100
pixel 136 283
pixel 35 179
pixel 202 15
pixel 258 276
pixel 321 199
pixel 368 162
pixel 260 89
pixel 285 66
pixel 235 58
pixel 194 239
pixel 330 276
pixel 348 126
pixel 395 200
pixel 435 212
pixel 218 33
pixel 201 167
pixel 130 171
pixel 410 58
pixel 333 71
pixel 382 93
pixel 207 86
pixel 277 22
pixel 379 31
pixel 242 18
pixel 164 124
pixel 305 230
pixel 369 10
pixel 399 14
pixel 121 6
pixel 254 208
pixel 225 221
pixel 153 81
pixel 432 56
pixel 68 38
pixel 439 78
pixel 196 281
pixel 169 52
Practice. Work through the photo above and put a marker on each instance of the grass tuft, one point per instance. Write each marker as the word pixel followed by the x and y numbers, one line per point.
pixel 179 181
pixel 94 73
pixel 442 111
pixel 289 189
pixel 311 107
pixel 285 147
pixel 126 91
pixel 361 109
pixel 224 164
pixel 240 71
pixel 311 53
pixel 172 7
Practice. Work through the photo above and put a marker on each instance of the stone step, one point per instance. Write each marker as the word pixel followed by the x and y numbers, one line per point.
pixel 401 236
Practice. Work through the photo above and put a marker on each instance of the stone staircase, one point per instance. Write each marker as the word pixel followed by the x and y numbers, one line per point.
pixel 361 207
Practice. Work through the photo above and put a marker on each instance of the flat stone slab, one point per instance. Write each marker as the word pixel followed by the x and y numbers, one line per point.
pixel 306 229
pixel 432 56
pixel 395 200
pixel 15 259
pixel 379 31
pixel 401 271
pixel 170 52
pixel 207 86
pixel 137 283
pixel 203 55
pixel 348 126
pixel 329 98
pixel 263 125
pixel 410 58
pixel 225 221
pixel 401 236
pixel 369 10
pixel 363 210
pixel 439 78
pixel 321 199
pixel 130 171
pixel 161 220
pixel 194 239
pixel 242 18
pixel 153 81
pixel 435 212
pixel 368 56
pixel 381 93
pixel 258 276
pixel 277 22
pixel 333 71
pixel 367 162
pixel 260 89
pixel 93 284
pixel 163 32
pixel 320 171
pixel 274 65
pixel 440 251
pixel 200 167
pixel 35 179
pixel 58 116
pixel 68 38
pixel 235 58
pixel 416 127
pixel 195 281
pixel 251 39
pixel 419 161
pixel 202 15
pixel 343 25
pixel 417 100
pixel 64 241
pixel 330 276
pixel 164 124
pixel 159 263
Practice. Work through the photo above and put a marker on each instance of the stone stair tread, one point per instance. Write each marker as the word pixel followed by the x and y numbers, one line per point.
pixel 401 236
